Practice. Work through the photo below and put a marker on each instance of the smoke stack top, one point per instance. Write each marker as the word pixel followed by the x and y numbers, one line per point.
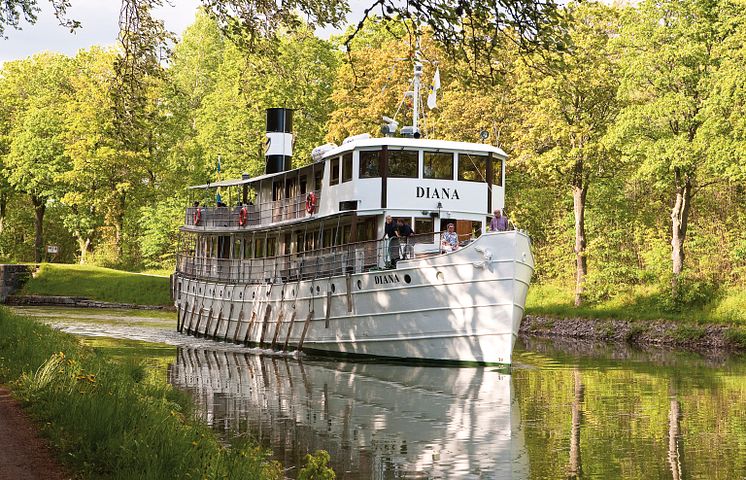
pixel 279 140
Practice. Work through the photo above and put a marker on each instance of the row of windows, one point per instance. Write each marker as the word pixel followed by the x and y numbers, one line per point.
pixel 295 242
pixel 405 163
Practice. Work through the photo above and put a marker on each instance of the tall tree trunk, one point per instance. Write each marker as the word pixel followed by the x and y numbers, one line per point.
pixel 579 193
pixel 3 209
pixel 85 246
pixel 40 207
pixel 679 223
pixel 119 225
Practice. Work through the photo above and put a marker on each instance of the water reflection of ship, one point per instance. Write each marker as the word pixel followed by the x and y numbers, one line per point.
pixel 376 420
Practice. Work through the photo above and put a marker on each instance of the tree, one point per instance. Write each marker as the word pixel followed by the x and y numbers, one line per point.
pixel 569 105
pixel 295 72
pixel 37 156
pixel 668 62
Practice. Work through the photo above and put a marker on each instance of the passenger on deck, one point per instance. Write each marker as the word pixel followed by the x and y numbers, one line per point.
pixel 407 234
pixel 449 242
pixel 391 242
pixel 499 222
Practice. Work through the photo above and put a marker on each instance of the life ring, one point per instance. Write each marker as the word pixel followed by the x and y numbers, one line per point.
pixel 311 201
pixel 197 216
pixel 243 215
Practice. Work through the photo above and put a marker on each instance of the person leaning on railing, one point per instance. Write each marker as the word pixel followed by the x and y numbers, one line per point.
pixel 449 239
pixel 499 222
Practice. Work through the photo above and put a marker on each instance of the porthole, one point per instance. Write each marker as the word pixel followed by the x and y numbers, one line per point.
pixel 240 294
pixel 318 289
pixel 359 284
pixel 221 293
pixel 407 279
pixel 253 294
pixel 334 289
pixel 311 290
pixel 439 276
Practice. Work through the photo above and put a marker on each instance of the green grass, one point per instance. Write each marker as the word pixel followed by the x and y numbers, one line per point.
pixel 110 418
pixel 638 303
pixel 99 283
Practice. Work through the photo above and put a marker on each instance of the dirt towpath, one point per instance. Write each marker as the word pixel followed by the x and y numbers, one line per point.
pixel 23 454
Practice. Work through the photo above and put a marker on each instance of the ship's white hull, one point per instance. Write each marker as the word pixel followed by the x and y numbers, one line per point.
pixel 464 306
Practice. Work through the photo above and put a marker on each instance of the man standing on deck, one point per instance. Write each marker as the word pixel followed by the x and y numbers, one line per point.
pixel 391 245
pixel 499 222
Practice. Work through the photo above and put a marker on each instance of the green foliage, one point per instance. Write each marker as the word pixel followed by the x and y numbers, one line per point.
pixel 317 467
pixel 636 96
pixel 99 283
pixel 108 419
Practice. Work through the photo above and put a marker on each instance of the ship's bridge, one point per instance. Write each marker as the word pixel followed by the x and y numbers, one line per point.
pixel 421 175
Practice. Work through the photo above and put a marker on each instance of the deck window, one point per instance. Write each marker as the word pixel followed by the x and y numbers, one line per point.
pixel 258 247
pixel 334 171
pixel 472 167
pixel 403 163
pixel 370 161
pixel 497 172
pixel 424 225
pixel 347 167
pixel 271 247
pixel 438 165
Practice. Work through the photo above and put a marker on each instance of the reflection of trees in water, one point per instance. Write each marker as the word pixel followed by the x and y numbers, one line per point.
pixel 674 432
pixel 576 468
pixel 376 420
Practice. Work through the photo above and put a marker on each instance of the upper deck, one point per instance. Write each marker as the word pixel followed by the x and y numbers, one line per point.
pixel 419 177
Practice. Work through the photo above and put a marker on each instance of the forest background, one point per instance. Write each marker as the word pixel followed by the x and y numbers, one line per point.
pixel 626 139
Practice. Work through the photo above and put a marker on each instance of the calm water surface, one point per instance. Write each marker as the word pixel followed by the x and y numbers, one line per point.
pixel 560 412
pixel 564 410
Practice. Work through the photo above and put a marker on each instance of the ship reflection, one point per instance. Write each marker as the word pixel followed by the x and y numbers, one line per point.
pixel 376 420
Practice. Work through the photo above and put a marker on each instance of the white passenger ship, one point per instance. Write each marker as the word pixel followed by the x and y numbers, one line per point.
pixel 298 259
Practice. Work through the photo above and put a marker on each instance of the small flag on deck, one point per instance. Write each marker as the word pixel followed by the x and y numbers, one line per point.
pixel 431 98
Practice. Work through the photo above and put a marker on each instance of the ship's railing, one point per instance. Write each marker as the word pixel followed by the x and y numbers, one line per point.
pixel 314 264
pixel 263 214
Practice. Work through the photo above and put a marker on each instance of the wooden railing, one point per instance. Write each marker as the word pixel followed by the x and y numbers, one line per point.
pixel 256 215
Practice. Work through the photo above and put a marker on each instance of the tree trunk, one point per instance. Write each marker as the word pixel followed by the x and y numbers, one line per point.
pixel 85 246
pixel 679 223
pixel 3 209
pixel 39 209
pixel 579 193
pixel 119 226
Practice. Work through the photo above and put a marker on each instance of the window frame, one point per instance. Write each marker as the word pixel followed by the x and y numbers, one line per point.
pixel 438 152
pixel 392 154
pixel 347 167
pixel 334 163
pixel 361 173
pixel 483 178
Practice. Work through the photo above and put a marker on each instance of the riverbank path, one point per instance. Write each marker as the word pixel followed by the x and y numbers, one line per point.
pixel 24 455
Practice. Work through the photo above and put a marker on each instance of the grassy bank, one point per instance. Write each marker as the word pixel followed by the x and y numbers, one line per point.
pixel 112 419
pixel 727 306
pixel 99 283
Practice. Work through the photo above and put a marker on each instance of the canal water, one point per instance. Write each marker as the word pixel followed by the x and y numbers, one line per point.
pixel 564 409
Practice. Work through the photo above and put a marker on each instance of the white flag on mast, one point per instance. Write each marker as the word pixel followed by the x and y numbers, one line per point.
pixel 431 98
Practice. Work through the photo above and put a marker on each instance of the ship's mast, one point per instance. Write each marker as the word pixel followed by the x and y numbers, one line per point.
pixel 416 88
pixel 417 81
